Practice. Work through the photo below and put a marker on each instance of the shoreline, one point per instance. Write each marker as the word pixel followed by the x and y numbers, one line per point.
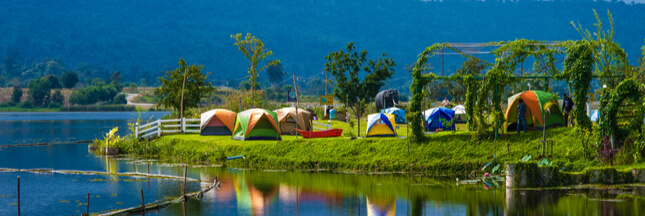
pixel 444 153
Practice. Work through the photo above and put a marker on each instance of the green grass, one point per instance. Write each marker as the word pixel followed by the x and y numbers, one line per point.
pixel 36 109
pixel 443 152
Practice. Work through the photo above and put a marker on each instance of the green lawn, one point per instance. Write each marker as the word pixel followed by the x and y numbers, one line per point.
pixel 443 152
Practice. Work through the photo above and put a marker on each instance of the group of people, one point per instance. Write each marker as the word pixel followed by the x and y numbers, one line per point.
pixel 331 112
pixel 567 106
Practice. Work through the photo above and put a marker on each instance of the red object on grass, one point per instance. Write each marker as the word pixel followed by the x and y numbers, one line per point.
pixel 320 134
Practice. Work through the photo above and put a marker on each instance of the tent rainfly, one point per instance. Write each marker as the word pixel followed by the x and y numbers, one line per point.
pixel 256 124
pixel 217 122
pixel 538 104
pixel 399 114
pixel 287 120
pixel 380 124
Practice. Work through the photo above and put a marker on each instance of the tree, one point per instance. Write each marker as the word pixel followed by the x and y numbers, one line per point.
pixel 171 85
pixel 57 97
pixel 346 66
pixel 275 73
pixel 253 50
pixel 39 91
pixel 16 95
pixel 115 77
pixel 120 99
pixel 69 79
pixel 55 84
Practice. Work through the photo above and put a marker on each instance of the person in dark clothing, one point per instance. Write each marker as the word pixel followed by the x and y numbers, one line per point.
pixel 567 106
pixel 521 117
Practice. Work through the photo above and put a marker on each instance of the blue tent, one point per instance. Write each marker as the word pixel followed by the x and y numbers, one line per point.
pixel 594 116
pixel 432 118
pixel 399 114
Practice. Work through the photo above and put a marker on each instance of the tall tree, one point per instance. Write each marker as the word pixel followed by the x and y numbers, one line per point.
pixel 16 95
pixel 196 86
pixel 40 91
pixel 275 73
pixel 69 79
pixel 253 50
pixel 347 67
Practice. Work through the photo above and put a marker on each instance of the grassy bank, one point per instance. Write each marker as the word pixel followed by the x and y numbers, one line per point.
pixel 444 152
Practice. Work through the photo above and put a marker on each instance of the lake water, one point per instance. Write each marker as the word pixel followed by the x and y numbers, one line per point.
pixel 56 127
pixel 256 192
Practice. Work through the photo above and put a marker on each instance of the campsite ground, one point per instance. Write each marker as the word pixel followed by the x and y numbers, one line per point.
pixel 443 152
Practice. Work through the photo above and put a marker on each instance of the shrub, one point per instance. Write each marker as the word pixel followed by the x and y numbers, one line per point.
pixel 27 104
pixel 57 97
pixel 120 99
pixel 54 105
pixel 16 95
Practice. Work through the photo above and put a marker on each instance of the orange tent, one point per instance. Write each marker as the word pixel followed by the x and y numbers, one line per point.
pixel 217 122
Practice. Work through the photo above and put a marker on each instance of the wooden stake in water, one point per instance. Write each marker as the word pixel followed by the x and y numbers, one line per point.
pixel 18 195
pixel 143 204
pixel 87 211
pixel 185 171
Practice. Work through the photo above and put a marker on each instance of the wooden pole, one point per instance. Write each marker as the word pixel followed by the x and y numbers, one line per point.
pixel 326 81
pixel 143 203
pixel 87 211
pixel 185 171
pixel 295 86
pixel 181 111
pixel 18 195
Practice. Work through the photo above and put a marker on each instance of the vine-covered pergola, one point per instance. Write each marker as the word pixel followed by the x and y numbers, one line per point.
pixel 509 55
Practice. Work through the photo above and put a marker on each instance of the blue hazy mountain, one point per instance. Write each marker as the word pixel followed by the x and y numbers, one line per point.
pixel 143 38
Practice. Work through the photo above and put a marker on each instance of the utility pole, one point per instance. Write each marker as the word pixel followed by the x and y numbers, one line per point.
pixel 181 111
pixel 295 86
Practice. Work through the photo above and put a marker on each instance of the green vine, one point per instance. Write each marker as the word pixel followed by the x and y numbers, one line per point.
pixel 612 101
pixel 578 71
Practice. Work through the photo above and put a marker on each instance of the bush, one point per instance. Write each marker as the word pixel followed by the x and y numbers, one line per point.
pixel 16 95
pixel 27 104
pixel 54 105
pixel 57 97
pixel 120 99
pixel 6 104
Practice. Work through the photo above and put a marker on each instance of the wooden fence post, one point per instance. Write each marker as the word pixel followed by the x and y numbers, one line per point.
pixel 158 127
pixel 136 130
pixel 183 125
pixel 328 124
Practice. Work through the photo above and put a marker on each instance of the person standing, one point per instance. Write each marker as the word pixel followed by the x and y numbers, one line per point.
pixel 567 106
pixel 521 117
pixel 332 113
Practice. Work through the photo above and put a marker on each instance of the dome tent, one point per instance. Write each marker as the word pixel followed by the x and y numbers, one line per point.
pixel 380 124
pixel 538 104
pixel 399 114
pixel 287 120
pixel 217 122
pixel 256 124
pixel 433 118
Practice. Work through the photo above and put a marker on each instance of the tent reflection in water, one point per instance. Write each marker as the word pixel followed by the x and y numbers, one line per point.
pixel 287 120
pixel 538 104
pixel 256 124
pixel 217 122
pixel 381 206
pixel 380 124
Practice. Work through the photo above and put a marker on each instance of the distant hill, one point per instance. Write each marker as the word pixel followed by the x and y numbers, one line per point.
pixel 141 39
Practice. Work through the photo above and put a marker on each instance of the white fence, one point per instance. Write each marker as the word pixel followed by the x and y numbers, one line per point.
pixel 328 125
pixel 160 127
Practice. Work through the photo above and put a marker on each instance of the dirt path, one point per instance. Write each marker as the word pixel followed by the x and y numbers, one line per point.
pixel 130 96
